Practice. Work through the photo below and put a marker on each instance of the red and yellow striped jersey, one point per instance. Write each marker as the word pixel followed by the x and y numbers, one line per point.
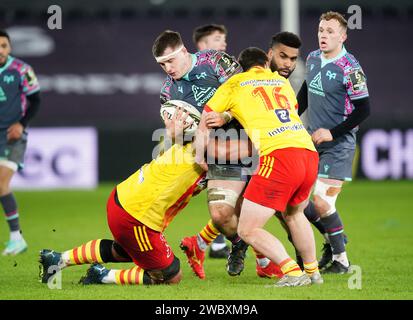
pixel 265 105
pixel 160 189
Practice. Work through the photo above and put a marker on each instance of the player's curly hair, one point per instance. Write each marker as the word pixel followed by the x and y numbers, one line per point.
pixel 286 38
pixel 3 33
pixel 167 39
pixel 336 16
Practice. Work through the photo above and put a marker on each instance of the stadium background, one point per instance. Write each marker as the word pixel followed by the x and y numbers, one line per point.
pixel 98 71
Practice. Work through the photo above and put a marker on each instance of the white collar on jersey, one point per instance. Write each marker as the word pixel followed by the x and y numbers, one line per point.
pixel 8 62
pixel 194 59
pixel 324 61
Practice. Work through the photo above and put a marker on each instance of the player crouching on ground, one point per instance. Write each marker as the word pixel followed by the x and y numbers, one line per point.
pixel 138 211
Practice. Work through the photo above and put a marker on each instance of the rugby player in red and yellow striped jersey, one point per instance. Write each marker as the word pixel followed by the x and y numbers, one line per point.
pixel 139 209
pixel 265 105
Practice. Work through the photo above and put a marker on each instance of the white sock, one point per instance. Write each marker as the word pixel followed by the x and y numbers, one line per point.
pixel 201 243
pixel 110 277
pixel 65 258
pixel 263 262
pixel 15 235
pixel 342 258
pixel 218 246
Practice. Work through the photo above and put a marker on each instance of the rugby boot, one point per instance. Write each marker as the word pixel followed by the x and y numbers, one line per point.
pixel 14 247
pixel 50 263
pixel 194 254
pixel 94 275
pixel 235 264
pixel 291 281
pixel 271 271
pixel 336 268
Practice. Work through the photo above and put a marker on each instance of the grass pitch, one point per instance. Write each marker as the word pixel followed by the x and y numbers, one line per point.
pixel 377 218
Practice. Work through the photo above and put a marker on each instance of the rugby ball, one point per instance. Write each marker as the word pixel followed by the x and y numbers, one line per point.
pixel 194 115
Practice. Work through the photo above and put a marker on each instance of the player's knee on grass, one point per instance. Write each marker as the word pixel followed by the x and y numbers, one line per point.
pixel 171 274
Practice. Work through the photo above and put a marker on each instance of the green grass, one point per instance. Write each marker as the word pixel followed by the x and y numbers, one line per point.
pixel 377 217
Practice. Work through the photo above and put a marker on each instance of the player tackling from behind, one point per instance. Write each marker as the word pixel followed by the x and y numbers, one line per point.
pixel 264 103
pixel 337 100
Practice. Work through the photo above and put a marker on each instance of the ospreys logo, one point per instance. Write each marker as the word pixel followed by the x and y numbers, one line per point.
pixel 203 75
pixel 202 95
pixel 8 79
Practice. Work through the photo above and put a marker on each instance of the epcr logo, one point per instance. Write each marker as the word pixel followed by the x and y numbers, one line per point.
pixel 283 115
pixel 61 164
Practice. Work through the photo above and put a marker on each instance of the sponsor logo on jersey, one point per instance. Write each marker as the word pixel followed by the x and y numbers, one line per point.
pixel 283 115
pixel 168 248
pixel 202 95
pixel 316 86
pixel 294 127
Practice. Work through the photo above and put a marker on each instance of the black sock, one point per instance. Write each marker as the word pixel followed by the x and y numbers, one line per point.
pixel 313 217
pixel 106 254
pixel 334 228
pixel 234 239
pixel 219 239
